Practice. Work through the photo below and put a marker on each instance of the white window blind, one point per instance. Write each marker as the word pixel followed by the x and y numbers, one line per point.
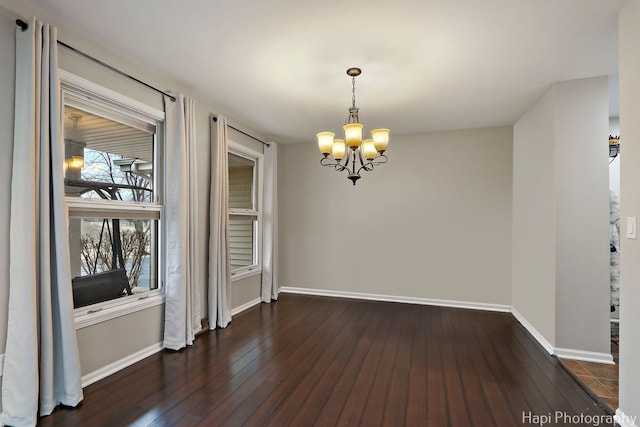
pixel 242 213
pixel 240 183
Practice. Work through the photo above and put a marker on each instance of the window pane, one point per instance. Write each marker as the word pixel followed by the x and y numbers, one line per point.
pixel 241 233
pixel 107 159
pixel 240 182
pixel 100 247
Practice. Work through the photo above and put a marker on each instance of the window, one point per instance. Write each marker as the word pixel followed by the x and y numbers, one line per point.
pixel 245 203
pixel 113 182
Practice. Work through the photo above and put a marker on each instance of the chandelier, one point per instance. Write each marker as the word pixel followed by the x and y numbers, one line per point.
pixel 363 155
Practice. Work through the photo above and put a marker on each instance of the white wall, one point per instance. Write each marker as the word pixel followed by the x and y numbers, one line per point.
pixel 561 216
pixel 435 222
pixel 629 34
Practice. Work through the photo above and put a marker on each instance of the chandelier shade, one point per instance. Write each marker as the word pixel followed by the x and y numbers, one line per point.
pixel 361 154
pixel 325 142
pixel 353 134
pixel 380 139
pixel 369 149
pixel 338 149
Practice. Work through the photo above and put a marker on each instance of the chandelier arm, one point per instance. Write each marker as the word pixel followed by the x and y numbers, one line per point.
pixel 347 159
pixel 326 161
pixel 350 162
pixel 361 156
pixel 369 166
pixel 330 162
pixel 384 160
pixel 353 160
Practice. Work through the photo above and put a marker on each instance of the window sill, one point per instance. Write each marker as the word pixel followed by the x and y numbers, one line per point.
pixel 245 273
pixel 92 315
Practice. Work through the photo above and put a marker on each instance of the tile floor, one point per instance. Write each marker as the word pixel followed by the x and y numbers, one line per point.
pixel 601 378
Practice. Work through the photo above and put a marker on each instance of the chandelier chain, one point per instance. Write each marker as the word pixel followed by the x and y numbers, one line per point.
pixel 353 91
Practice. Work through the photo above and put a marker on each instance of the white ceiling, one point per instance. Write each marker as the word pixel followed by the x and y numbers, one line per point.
pixel 279 65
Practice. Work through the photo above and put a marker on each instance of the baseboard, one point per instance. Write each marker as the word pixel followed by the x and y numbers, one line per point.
pixel 118 365
pixel 393 298
pixel 624 420
pixel 245 306
pixel 533 331
pixel 565 353
pixel 587 356
pixel 560 352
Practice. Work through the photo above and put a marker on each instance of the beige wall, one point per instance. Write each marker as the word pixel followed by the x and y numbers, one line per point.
pixel 116 338
pixel 582 215
pixel 630 206
pixel 533 274
pixel 245 290
pixel 561 216
pixel 435 222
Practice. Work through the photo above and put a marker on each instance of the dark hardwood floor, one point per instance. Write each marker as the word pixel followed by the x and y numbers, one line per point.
pixel 307 360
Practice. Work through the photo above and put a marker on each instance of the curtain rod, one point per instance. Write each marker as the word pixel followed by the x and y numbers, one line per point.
pixel 215 119
pixel 23 25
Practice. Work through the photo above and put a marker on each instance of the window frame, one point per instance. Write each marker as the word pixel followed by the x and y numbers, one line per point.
pixel 240 150
pixel 78 90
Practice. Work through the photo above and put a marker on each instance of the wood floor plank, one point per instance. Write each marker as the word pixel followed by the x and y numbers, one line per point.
pixel 376 403
pixel 437 406
pixel 417 399
pixel 476 377
pixel 327 397
pixel 563 383
pixel 217 388
pixel 323 361
pixel 323 372
pixel 395 409
pixel 459 414
pixel 490 378
pixel 349 398
pixel 337 397
pixel 265 386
